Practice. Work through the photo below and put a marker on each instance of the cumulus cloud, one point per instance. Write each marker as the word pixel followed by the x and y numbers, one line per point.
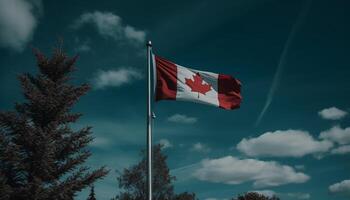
pixel 116 78
pixel 337 134
pixel 18 20
pixel 267 193
pixel 199 147
pixel 165 143
pixel 231 170
pixel 184 119
pixel 342 187
pixel 109 25
pixel 294 143
pixel 332 113
pixel 341 150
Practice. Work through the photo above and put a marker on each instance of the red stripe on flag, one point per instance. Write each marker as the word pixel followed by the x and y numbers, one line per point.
pixel 166 79
pixel 229 92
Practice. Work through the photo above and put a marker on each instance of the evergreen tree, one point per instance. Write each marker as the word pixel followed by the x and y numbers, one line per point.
pixel 92 194
pixel 41 157
pixel 185 196
pixel 133 180
pixel 255 196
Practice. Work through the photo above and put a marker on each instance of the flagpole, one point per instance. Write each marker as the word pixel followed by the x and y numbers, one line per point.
pixel 149 121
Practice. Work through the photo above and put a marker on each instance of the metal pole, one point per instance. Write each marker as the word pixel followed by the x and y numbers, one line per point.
pixel 149 121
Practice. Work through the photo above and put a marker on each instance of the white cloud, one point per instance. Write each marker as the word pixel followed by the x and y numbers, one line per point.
pixel 302 196
pixel 133 34
pixel 271 193
pixel 116 78
pixel 82 45
pixel 295 143
pixel 267 193
pixel 341 188
pixel 332 113
pixel 337 134
pixel 83 48
pixel 341 150
pixel 100 142
pixel 231 170
pixel 165 143
pixel 179 118
pixel 110 25
pixel 199 147
pixel 18 20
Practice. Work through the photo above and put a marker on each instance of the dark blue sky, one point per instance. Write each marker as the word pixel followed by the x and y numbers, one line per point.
pixel 299 149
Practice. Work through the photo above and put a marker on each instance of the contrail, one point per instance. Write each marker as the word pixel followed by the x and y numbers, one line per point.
pixel 283 59
pixel 184 167
pixel 184 173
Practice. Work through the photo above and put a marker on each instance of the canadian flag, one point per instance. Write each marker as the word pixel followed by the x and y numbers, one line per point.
pixel 175 82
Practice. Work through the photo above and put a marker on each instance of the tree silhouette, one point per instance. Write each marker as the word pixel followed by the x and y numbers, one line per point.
pixel 92 194
pixel 255 196
pixel 185 196
pixel 133 180
pixel 41 157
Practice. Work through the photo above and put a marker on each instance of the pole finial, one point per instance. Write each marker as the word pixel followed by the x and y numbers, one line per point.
pixel 149 43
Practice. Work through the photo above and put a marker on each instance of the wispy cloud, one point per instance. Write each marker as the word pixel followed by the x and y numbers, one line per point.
pixel 100 142
pixel 332 113
pixel 199 147
pixel 116 78
pixel 232 170
pixel 18 20
pixel 191 166
pixel 85 47
pixel 281 143
pixel 283 60
pixel 165 143
pixel 82 45
pixel 183 173
pixel 110 25
pixel 301 196
pixel 180 118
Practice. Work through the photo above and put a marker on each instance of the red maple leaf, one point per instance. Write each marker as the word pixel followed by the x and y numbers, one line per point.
pixel 197 84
